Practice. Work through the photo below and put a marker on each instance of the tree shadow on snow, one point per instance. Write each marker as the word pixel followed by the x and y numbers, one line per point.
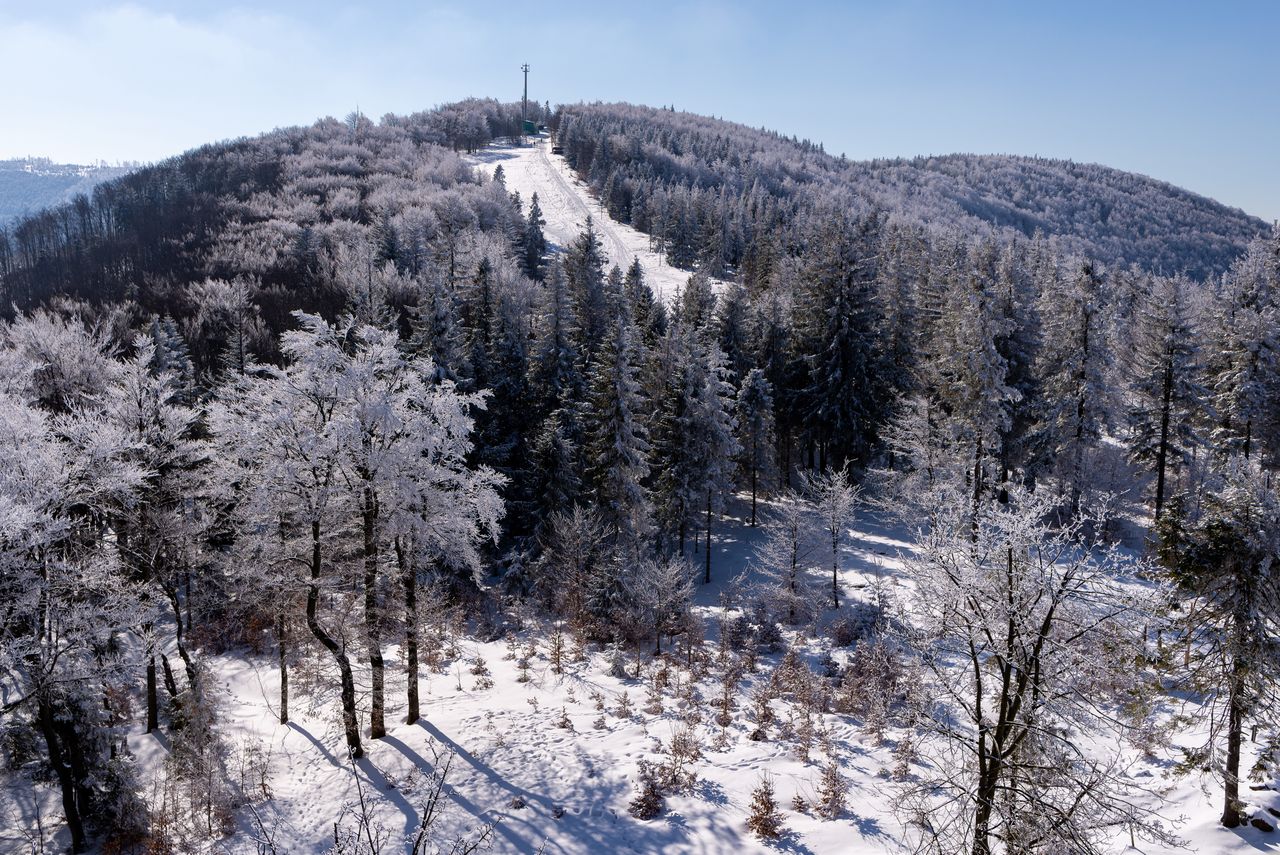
pixel 490 155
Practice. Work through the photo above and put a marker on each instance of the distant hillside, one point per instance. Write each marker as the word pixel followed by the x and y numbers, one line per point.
pixel 30 184
pixel 1112 216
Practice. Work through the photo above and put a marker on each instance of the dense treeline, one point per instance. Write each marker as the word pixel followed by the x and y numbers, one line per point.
pixel 267 392
pixel 709 191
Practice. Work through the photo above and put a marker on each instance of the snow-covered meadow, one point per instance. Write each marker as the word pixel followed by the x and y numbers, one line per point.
pixel 559 789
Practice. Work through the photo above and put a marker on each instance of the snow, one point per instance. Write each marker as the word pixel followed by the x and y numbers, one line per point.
pixel 566 204
pixel 509 747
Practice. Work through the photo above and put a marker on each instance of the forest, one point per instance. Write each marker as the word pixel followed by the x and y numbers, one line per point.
pixel 328 399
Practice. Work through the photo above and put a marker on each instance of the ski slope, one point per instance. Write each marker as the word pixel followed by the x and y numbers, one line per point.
pixel 566 204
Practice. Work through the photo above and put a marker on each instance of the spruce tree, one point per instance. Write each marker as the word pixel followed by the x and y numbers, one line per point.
pixel 535 242
pixel 1071 371
pixel 754 413
pixel 1164 392
pixel 765 820
pixel 617 443
pixel 1221 555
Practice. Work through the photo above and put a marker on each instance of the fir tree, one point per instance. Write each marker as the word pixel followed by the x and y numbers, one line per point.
pixel 1222 558
pixel 754 414
pixel 535 242
pixel 765 820
pixel 1071 369
pixel 617 444
pixel 1165 394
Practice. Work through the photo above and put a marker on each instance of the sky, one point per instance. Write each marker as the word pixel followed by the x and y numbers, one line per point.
pixel 1186 92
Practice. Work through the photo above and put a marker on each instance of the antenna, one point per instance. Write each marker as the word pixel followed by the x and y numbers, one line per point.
pixel 524 102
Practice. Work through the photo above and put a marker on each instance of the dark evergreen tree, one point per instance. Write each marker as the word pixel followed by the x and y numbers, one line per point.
pixel 754 414
pixel 1165 395
pixel 535 242
pixel 1221 556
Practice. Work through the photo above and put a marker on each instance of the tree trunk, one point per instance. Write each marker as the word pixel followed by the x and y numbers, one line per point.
pixel 369 518
pixel 1231 771
pixel 1162 450
pixel 282 645
pixel 1236 702
pixel 706 578
pixel 180 639
pixel 349 722
pixel 976 499
pixel 66 780
pixel 153 701
pixel 170 684
pixel 754 473
pixel 989 770
pixel 409 580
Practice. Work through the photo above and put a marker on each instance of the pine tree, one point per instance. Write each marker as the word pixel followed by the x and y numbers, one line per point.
pixel 435 335
pixel 1071 370
pixel 650 315
pixel 732 332
pixel 535 242
pixel 832 791
pixel 585 275
pixel 754 414
pixel 765 820
pixel 1241 354
pixel 617 444
pixel 1163 373
pixel 697 302
pixel 971 373
pixel 694 443
pixel 840 401
pixel 1222 558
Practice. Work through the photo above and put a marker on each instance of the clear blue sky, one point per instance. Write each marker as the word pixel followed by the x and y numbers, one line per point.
pixel 1188 92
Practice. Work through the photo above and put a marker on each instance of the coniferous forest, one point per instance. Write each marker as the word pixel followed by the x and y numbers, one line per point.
pixel 951 482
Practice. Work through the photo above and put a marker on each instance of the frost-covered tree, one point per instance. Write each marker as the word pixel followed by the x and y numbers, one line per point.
pixel 1071 368
pixel 360 434
pixel 1028 640
pixel 783 559
pixel 160 533
pixel 278 437
pixel 584 268
pixel 753 412
pixel 1240 355
pixel 836 315
pixel 693 434
pixel 1165 395
pixel 535 242
pixel 834 497
pixel 1223 557
pixel 662 590
pixel 67 603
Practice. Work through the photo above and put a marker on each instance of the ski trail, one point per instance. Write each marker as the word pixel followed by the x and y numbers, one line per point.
pixel 566 204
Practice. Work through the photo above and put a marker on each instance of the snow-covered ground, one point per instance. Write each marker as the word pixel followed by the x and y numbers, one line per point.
pixel 566 791
pixel 566 204
pixel 510 745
